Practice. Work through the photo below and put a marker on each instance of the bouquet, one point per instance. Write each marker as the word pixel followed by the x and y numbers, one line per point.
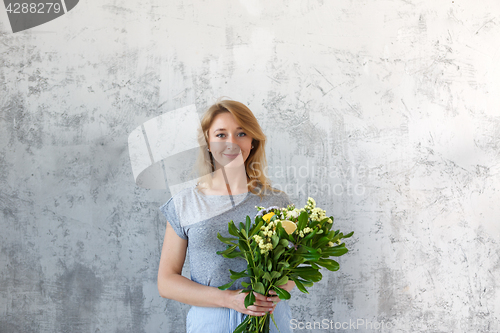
pixel 281 244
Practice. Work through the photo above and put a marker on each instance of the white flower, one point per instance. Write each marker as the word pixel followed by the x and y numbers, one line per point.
pixel 292 213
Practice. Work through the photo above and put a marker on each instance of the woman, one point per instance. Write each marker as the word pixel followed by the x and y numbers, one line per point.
pixel 233 183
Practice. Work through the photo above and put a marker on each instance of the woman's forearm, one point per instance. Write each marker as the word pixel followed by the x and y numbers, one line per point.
pixel 184 290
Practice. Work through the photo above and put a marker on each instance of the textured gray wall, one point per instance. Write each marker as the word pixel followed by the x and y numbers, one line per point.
pixel 397 99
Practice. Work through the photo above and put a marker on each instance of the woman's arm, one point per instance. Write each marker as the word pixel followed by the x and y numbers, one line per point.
pixel 172 285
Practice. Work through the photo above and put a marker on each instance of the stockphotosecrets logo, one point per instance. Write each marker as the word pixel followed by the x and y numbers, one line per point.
pixel 25 14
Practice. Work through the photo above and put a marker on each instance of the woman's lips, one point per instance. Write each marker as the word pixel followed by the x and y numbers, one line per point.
pixel 231 156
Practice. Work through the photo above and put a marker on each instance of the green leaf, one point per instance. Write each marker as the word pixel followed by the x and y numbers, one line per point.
pixel 335 251
pixel 243 245
pixel 278 252
pixel 259 287
pixel 336 237
pixel 245 284
pixel 331 265
pixel 324 220
pixel 272 317
pixel 257 254
pixel 311 256
pixel 256 228
pixel 226 240
pixel 235 254
pixel 311 234
pixel 258 272
pixel 284 242
pixel 282 281
pixel 232 229
pixel 228 250
pixel 313 265
pixel 227 285
pixel 304 269
pixel 243 230
pixel 308 273
pixel 303 217
pixel 308 249
pixel 322 241
pixel 269 265
pixel 241 327
pixel 296 260
pixel 299 285
pixel 238 275
pixel 281 231
pixel 284 264
pixel 282 293
pixel 349 234
pixel 248 257
pixel 275 240
pixel 248 222
pixel 306 283
pixel 267 276
pixel 244 234
pixel 330 234
pixel 249 299
pixel 275 275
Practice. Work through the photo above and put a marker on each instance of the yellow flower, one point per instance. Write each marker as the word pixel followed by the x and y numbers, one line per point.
pixel 268 216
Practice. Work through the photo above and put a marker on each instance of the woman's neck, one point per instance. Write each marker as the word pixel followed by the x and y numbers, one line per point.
pixel 230 180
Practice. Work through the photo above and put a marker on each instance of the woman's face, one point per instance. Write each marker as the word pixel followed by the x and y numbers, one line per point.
pixel 229 144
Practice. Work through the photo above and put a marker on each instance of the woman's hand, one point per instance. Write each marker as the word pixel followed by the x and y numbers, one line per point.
pixel 287 286
pixel 236 301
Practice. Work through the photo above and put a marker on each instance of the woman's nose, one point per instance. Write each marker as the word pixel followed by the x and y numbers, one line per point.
pixel 231 139
pixel 231 143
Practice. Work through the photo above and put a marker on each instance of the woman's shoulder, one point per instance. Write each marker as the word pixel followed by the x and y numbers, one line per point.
pixel 182 195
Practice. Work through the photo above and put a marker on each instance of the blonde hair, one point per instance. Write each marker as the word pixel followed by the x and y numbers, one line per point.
pixel 256 161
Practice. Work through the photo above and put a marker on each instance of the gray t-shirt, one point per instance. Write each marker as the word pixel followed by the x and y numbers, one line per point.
pixel 198 218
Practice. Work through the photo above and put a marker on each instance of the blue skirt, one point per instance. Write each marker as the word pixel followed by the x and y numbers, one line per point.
pixel 225 320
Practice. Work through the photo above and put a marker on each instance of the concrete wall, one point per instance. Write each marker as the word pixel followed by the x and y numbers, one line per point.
pixel 399 100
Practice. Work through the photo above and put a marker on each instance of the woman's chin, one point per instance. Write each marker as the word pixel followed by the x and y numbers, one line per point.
pixel 233 162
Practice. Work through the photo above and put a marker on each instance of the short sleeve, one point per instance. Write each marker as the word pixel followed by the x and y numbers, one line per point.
pixel 169 211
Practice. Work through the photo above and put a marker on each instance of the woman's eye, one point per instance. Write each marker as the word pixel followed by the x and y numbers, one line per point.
pixel 239 134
